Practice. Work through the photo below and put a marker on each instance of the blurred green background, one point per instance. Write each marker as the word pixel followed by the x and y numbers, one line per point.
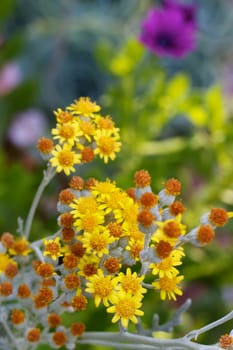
pixel 175 118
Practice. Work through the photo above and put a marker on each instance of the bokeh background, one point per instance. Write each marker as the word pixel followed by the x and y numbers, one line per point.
pixel 175 115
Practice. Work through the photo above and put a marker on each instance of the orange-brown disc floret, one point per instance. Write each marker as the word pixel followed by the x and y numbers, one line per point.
pixel 87 154
pixel 172 229
pixel 145 217
pixel 79 302
pixel 77 329
pixel 11 270
pixel 131 193
pixel 45 145
pixel 89 269
pixel 142 178
pixel 49 282
pixel 24 291
pixel 45 270
pixel 17 316
pixel 77 249
pixel 76 183
pixel 33 335
pixel 218 216
pixel 72 281
pixel 66 196
pixel 205 234
pixel 226 341
pixel 149 199
pixel 67 234
pixel 6 288
pixel 43 298
pixel 112 264
pixel 7 240
pixel 70 261
pixel 59 338
pixel 66 220
pixel 91 182
pixel 176 208
pixel 54 320
pixel 115 229
pixel 163 249
pixel 173 187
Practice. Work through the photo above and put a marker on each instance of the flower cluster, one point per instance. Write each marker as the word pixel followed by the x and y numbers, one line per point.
pixel 170 30
pixel 112 245
pixel 81 133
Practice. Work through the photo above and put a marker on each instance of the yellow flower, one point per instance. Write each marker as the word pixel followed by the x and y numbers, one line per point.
pixel 107 144
pixel 166 267
pixel 130 282
pixel 101 287
pixel 64 159
pixel 82 205
pixel 84 106
pixel 53 248
pixel 87 129
pixel 126 308
pixel 90 221
pixel 67 132
pixel 168 287
pixel 4 261
pixel 20 247
pixel 97 242
pixel 63 116
pixel 103 190
pixel 169 230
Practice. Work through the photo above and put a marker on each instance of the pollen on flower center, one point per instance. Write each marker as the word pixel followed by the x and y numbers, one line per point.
pixel 98 242
pixel 126 308
pixel 172 229
pixel 163 249
pixel 67 131
pixel 106 144
pixel 66 158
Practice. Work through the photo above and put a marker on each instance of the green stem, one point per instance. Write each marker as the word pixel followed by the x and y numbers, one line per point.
pixel 48 175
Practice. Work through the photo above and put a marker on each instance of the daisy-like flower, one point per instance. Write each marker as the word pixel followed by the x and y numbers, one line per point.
pixel 84 106
pixel 166 32
pixel 130 282
pixel 88 265
pixel 63 117
pixel 107 144
pixel 52 248
pixel 82 205
pixel 126 308
pixel 102 287
pixel 64 159
pixel 20 247
pixel 166 267
pixel 168 287
pixel 97 242
pixel 67 132
pixel 86 129
pixel 103 190
pixel 90 221
pixel 4 261
pixel 169 230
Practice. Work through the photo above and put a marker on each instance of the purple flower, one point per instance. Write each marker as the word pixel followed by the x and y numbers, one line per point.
pixel 188 11
pixel 166 32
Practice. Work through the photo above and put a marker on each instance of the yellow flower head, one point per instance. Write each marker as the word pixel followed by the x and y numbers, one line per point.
pixel 103 190
pixel 4 261
pixel 84 106
pixel 20 247
pixel 168 287
pixel 130 282
pixel 52 248
pixel 126 308
pixel 107 145
pixel 101 287
pixel 64 159
pixel 67 132
pixel 97 242
pixel 166 267
pixel 89 222
pixel 82 205
pixel 63 117
pixel 86 129
pixel 169 230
